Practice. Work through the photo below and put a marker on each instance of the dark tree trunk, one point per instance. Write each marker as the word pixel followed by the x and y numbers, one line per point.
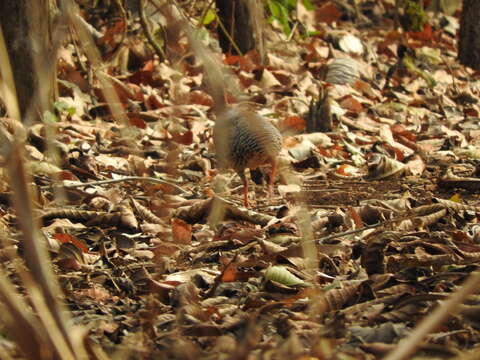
pixel 469 44
pixel 14 22
pixel 235 19
pixel 22 37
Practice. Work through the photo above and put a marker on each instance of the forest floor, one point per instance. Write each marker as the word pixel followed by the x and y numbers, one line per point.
pixel 374 221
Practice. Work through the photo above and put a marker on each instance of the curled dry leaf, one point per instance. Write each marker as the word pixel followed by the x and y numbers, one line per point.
pixel 292 124
pixel 336 298
pixel 416 165
pixel 64 238
pixel 145 213
pixel 346 170
pixel 281 275
pixel 351 104
pixel 70 257
pixel 327 13
pixel 181 231
pixel 350 44
pixel 372 258
pixel 269 80
pixel 127 217
pixel 385 168
pixel 373 214
pixel 288 189
pixel 318 139
pixel 300 149
pixel 42 167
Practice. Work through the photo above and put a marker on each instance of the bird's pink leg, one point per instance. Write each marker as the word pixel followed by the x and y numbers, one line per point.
pixel 272 176
pixel 245 189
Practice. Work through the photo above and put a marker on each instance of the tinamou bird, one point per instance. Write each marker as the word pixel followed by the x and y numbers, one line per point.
pixel 242 138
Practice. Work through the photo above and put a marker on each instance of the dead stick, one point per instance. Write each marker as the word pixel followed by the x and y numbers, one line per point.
pixel 449 308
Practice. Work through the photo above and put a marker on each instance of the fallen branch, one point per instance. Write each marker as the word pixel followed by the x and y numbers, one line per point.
pixel 202 209
pixel 127 178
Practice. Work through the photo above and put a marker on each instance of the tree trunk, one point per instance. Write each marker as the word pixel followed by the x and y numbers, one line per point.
pixel 27 44
pixel 235 30
pixel 469 44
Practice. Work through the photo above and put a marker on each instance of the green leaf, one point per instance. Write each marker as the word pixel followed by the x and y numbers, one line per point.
pixel 49 117
pixel 308 5
pixel 274 8
pixel 334 285
pixel 62 106
pixel 290 4
pixel 284 20
pixel 209 17
pixel 411 66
